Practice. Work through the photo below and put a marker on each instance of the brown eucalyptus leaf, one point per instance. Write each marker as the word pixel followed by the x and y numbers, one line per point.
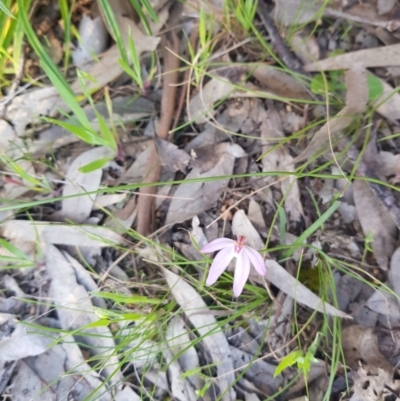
pixel 375 222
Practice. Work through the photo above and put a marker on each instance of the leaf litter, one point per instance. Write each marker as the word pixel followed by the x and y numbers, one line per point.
pixel 228 166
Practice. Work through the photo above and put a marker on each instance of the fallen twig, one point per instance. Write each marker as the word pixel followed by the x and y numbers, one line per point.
pixel 146 218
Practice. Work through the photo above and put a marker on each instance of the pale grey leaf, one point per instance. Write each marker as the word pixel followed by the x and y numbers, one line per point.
pixel 394 272
pixel 180 344
pixel 93 40
pixel 181 388
pixel 279 277
pixel 260 372
pixel 76 206
pixel 23 343
pixel 75 309
pixel 241 225
pixel 59 234
pixel 205 324
pixel 376 57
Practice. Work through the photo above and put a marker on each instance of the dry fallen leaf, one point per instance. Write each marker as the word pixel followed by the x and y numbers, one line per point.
pixel 204 323
pixel 375 222
pixel 76 206
pixel 382 56
pixel 356 101
pixel 279 277
pixel 181 346
pixel 59 234
pixel 296 12
pixel 24 342
pixel 93 40
pixel 279 159
pixel 360 344
pixel 241 225
pixel 196 197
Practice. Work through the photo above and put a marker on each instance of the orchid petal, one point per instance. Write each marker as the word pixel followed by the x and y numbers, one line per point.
pixel 217 244
pixel 242 272
pixel 256 260
pixel 220 263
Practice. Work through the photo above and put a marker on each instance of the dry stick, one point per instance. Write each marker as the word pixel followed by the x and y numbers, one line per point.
pixel 289 59
pixel 146 215
pixel 193 39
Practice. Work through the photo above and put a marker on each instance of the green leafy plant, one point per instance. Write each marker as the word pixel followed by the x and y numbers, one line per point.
pixel 302 360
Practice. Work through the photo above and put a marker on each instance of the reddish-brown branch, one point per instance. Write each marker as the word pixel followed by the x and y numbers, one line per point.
pixel 146 212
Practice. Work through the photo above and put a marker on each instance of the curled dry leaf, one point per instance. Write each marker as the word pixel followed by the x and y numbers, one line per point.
pixel 356 101
pixel 376 222
pixel 279 277
pixel 215 343
pixel 93 40
pixel 369 387
pixel 196 197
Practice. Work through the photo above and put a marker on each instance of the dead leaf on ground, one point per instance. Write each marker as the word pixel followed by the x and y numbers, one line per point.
pixel 24 342
pixel 76 206
pixel 278 82
pixel 171 157
pixel 180 344
pixel 382 56
pixel 279 277
pixel 196 197
pixel 241 225
pixel 53 376
pixel 356 101
pixel 360 344
pixel 93 40
pixel 296 12
pixel 75 310
pixel 59 234
pixel 205 324
pixel 279 159
pixel 375 222
pixel 394 272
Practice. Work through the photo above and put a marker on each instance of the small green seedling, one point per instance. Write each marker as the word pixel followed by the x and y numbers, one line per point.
pixel 296 357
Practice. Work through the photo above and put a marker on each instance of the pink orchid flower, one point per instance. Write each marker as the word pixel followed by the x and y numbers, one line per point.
pixel 244 255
